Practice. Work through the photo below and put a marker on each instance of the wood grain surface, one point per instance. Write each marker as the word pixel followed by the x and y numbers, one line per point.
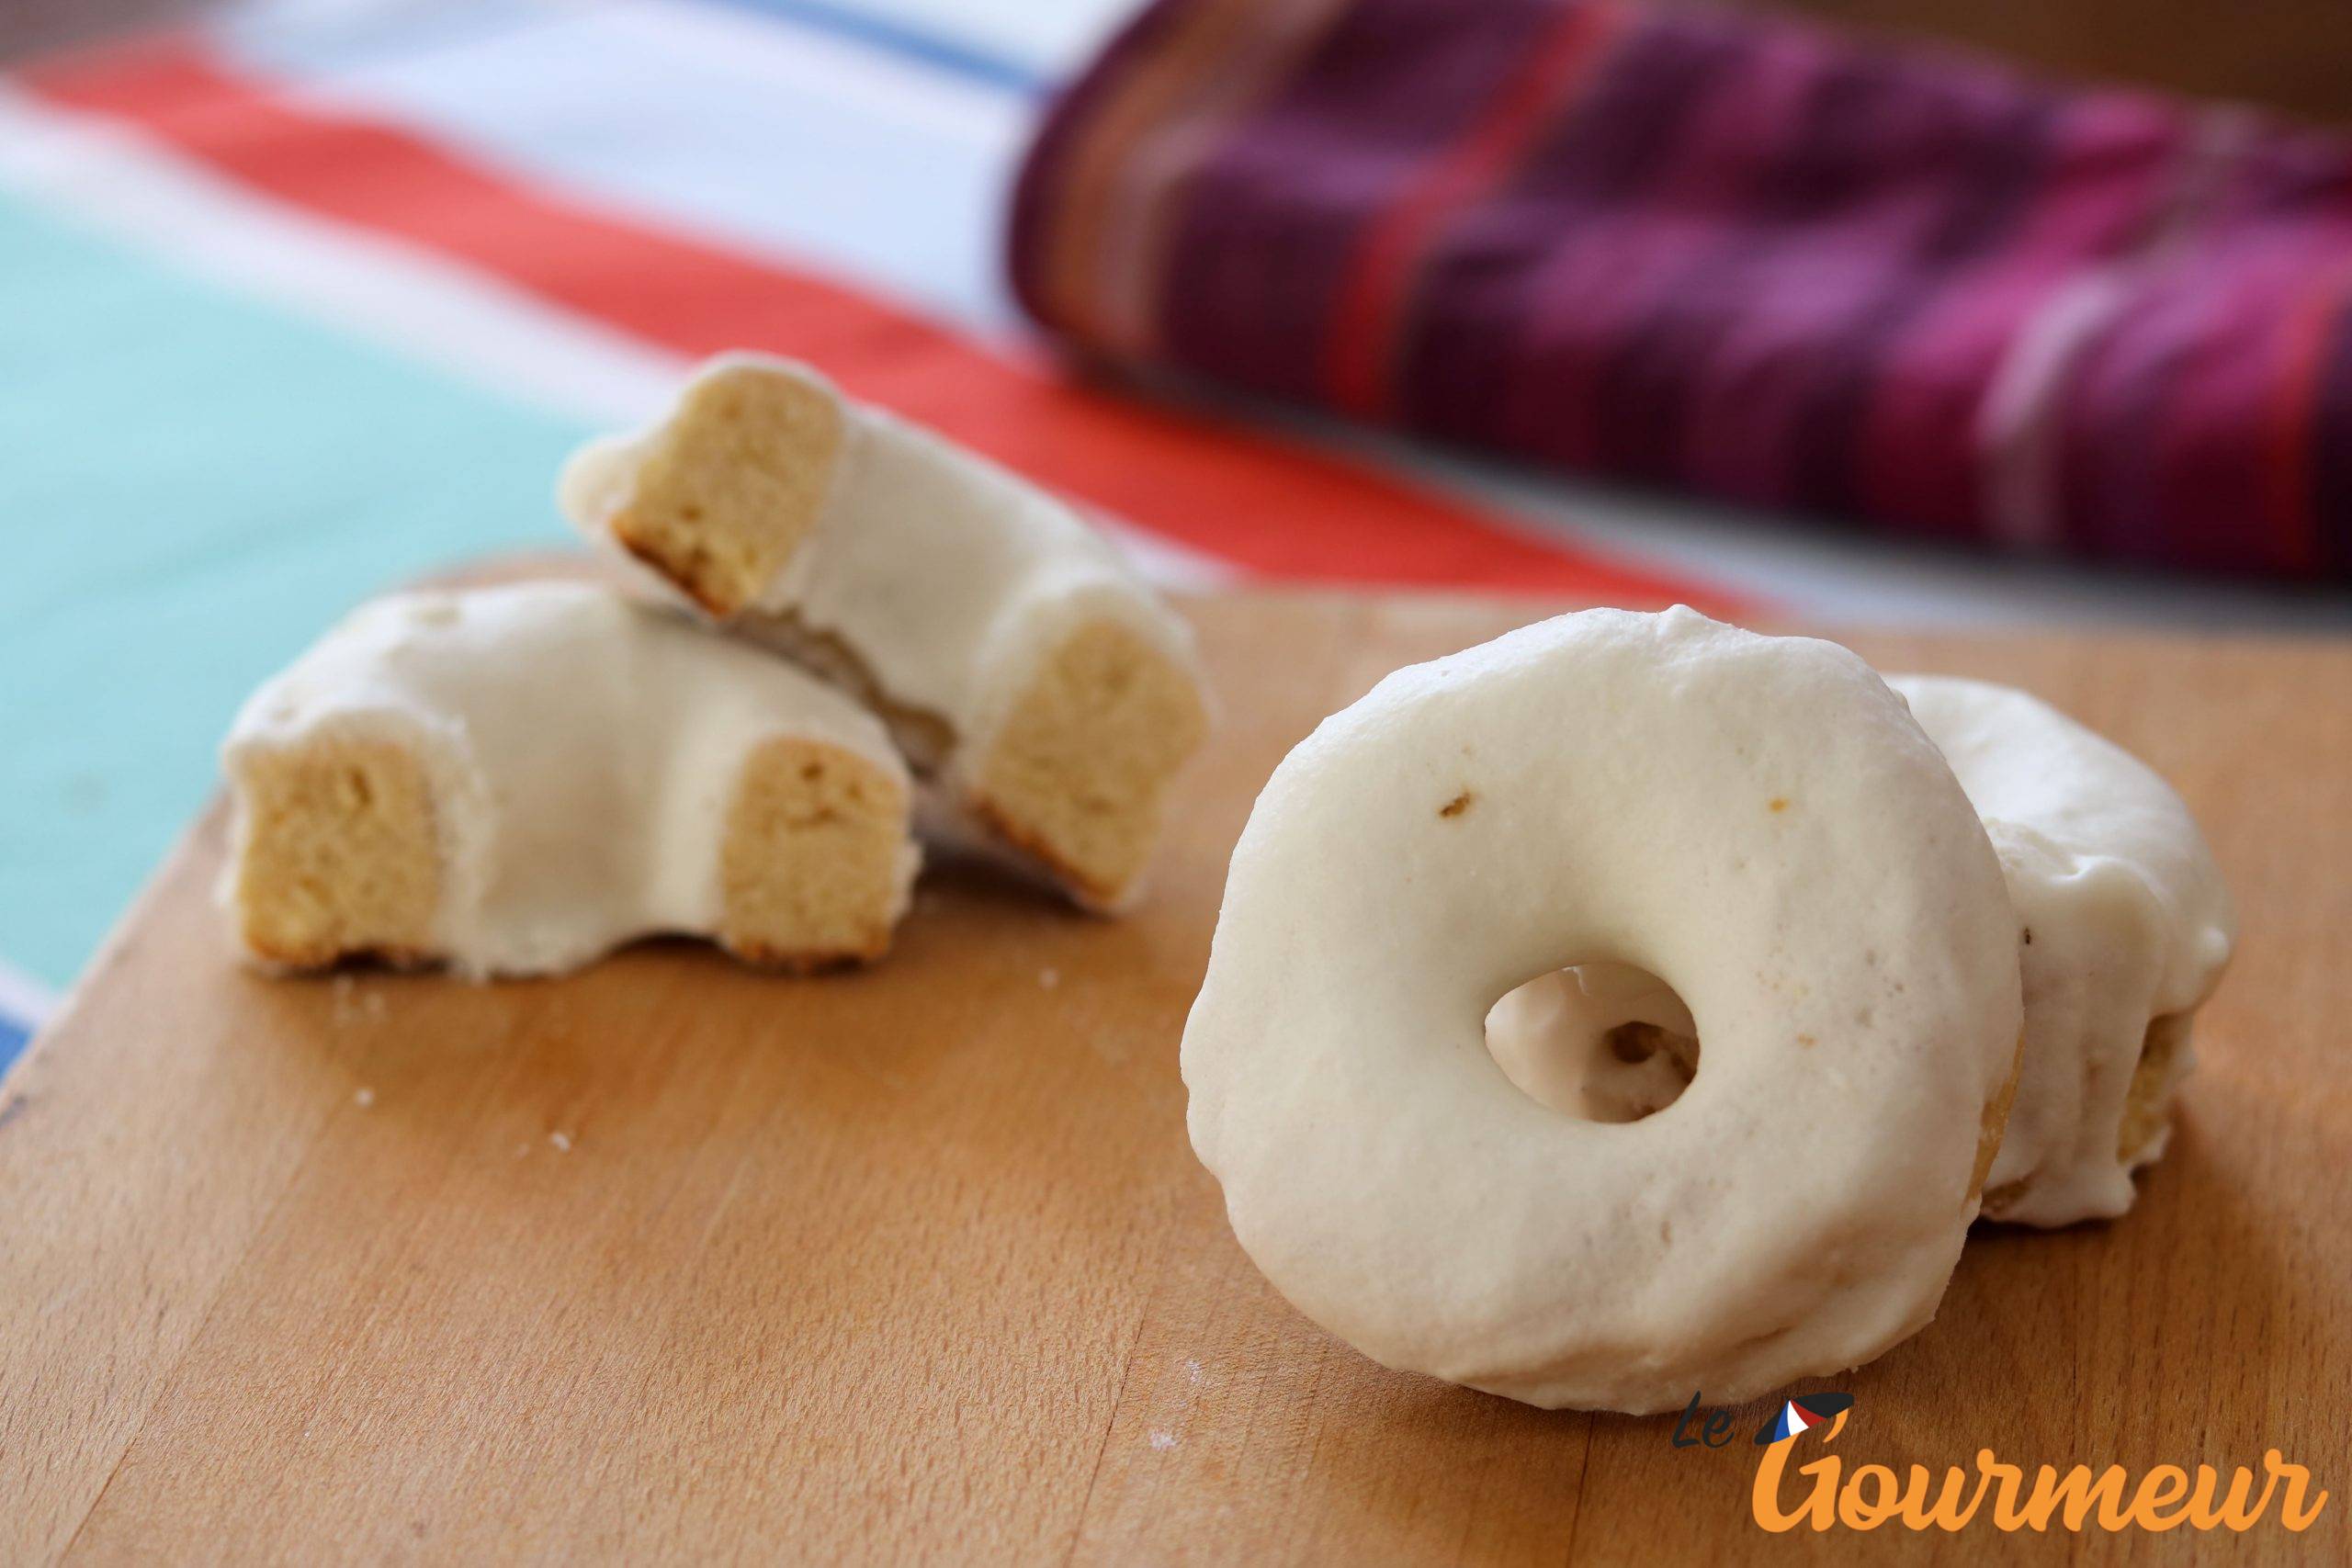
pixel 669 1260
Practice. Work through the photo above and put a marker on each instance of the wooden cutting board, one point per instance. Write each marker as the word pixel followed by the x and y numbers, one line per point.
pixel 672 1260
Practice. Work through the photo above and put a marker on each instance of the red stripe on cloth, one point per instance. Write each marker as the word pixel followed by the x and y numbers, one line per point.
pixel 1265 505
pixel 2290 458
pixel 1370 313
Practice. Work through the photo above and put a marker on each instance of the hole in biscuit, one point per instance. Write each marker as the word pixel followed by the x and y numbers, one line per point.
pixel 1598 1042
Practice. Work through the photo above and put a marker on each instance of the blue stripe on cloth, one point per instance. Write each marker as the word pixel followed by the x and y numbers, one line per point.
pixel 14 1033
pixel 951 55
pixel 196 485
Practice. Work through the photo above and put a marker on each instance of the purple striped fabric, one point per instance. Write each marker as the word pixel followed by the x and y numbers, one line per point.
pixel 1746 257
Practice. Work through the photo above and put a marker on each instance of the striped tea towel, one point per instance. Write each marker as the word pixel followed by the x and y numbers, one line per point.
pixel 1735 255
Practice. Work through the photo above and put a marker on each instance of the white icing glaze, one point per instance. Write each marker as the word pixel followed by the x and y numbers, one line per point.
pixel 947 575
pixel 1849 957
pixel 583 750
pixel 2129 923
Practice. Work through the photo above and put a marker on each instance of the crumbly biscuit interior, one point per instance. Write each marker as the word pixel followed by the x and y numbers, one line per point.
pixel 1077 770
pixel 811 860
pixel 729 487
pixel 340 855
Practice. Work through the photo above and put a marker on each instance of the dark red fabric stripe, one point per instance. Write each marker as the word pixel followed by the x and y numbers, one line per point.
pixel 2006 144
pixel 2330 440
pixel 1487 292
pixel 1275 216
pixel 1265 505
pixel 2229 463
pixel 1654 371
pixel 1362 347
pixel 2110 417
pixel 2296 403
pixel 2171 423
pixel 2113 168
pixel 2314 211
pixel 1612 274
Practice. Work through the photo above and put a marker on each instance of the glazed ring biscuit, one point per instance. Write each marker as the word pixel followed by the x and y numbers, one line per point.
pixel 513 780
pixel 2129 929
pixel 1758 822
pixel 1019 662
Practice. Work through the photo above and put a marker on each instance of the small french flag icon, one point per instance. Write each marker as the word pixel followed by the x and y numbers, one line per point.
pixel 1801 1414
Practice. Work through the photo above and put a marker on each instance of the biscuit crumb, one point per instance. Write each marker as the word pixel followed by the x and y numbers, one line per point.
pixel 562 1142
pixel 1780 803
pixel 1457 805
pixel 363 1097
pixel 1163 1440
